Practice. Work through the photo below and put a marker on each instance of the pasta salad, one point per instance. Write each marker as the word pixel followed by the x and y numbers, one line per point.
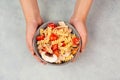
pixel 57 43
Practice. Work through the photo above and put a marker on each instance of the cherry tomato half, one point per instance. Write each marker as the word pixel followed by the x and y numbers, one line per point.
pixel 54 47
pixel 53 37
pixel 63 44
pixel 41 37
pixel 52 25
pixel 75 40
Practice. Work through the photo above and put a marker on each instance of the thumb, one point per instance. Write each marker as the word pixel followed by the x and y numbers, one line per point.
pixel 84 41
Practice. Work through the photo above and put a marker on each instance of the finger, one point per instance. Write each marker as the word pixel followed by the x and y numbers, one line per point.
pixel 76 56
pixel 84 41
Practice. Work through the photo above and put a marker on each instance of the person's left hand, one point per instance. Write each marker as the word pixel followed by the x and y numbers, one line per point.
pixel 81 28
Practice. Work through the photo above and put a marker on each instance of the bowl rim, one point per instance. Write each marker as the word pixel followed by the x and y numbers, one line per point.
pixel 44 25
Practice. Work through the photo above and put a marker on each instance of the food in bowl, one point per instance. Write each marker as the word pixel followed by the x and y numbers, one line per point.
pixel 57 43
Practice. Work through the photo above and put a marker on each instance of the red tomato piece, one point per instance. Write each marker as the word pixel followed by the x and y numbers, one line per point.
pixel 54 47
pixel 63 44
pixel 52 25
pixel 53 37
pixel 75 40
pixel 56 52
pixel 41 37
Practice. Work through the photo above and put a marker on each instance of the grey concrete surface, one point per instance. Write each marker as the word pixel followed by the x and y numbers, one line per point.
pixel 100 61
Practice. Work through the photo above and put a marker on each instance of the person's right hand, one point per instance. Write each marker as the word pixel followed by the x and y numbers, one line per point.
pixel 30 31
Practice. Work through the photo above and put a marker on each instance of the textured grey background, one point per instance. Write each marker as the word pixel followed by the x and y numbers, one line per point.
pixel 100 61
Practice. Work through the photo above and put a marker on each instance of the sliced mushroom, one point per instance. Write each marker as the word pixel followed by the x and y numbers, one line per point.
pixel 49 57
pixel 61 23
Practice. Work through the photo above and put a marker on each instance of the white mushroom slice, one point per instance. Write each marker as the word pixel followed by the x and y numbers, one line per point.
pixel 61 23
pixel 41 52
pixel 51 59
pixel 59 27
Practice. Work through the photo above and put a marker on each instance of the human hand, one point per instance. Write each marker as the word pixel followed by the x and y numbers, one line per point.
pixel 30 31
pixel 81 28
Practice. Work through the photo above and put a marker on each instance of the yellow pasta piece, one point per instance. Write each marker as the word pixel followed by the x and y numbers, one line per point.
pixel 41 31
pixel 69 58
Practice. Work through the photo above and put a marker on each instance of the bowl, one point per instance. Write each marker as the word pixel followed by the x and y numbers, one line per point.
pixel 43 26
